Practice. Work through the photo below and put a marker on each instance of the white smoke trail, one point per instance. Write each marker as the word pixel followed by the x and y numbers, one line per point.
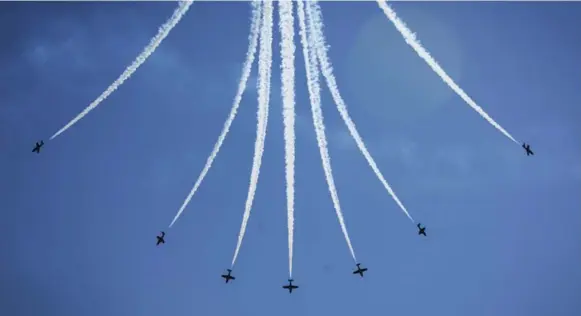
pixel 314 88
pixel 162 33
pixel 264 72
pixel 287 45
pixel 411 39
pixel 246 68
pixel 315 17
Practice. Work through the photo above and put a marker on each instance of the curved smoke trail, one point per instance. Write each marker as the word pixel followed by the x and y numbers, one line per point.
pixel 313 74
pixel 287 45
pixel 317 32
pixel 411 39
pixel 162 33
pixel 246 68
pixel 264 72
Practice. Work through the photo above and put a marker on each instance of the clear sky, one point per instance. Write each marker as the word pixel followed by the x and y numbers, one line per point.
pixel 79 220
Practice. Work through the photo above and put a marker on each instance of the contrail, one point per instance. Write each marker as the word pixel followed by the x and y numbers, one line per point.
pixel 319 40
pixel 411 39
pixel 264 72
pixel 313 74
pixel 287 45
pixel 162 33
pixel 246 69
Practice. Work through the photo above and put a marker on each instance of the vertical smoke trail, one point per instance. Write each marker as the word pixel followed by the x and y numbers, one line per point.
pixel 287 45
pixel 319 40
pixel 264 72
pixel 411 39
pixel 246 68
pixel 147 51
pixel 311 67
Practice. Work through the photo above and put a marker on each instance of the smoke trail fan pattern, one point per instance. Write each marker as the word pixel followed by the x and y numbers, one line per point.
pixel 317 63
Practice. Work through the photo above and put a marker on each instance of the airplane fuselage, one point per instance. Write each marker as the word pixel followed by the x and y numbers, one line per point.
pixel 160 239
pixel 421 230
pixel 290 287
pixel 359 270
pixel 37 148
pixel 228 277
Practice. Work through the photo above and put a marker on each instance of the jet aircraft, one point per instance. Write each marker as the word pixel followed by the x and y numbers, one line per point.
pixel 228 277
pixel 160 239
pixel 422 231
pixel 359 270
pixel 290 287
pixel 37 147
pixel 528 149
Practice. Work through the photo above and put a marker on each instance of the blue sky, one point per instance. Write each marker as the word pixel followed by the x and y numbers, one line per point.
pixel 79 220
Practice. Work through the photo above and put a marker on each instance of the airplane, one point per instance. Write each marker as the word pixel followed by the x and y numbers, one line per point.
pixel 37 147
pixel 422 230
pixel 290 286
pixel 228 277
pixel 359 270
pixel 160 239
pixel 528 149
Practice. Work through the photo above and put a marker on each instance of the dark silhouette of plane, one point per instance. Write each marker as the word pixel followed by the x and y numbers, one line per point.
pixel 160 239
pixel 422 231
pixel 359 270
pixel 37 147
pixel 290 287
pixel 228 277
pixel 528 149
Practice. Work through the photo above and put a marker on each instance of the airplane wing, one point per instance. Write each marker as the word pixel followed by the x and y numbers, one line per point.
pixel 285 287
pixel 364 269
pixel 356 271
